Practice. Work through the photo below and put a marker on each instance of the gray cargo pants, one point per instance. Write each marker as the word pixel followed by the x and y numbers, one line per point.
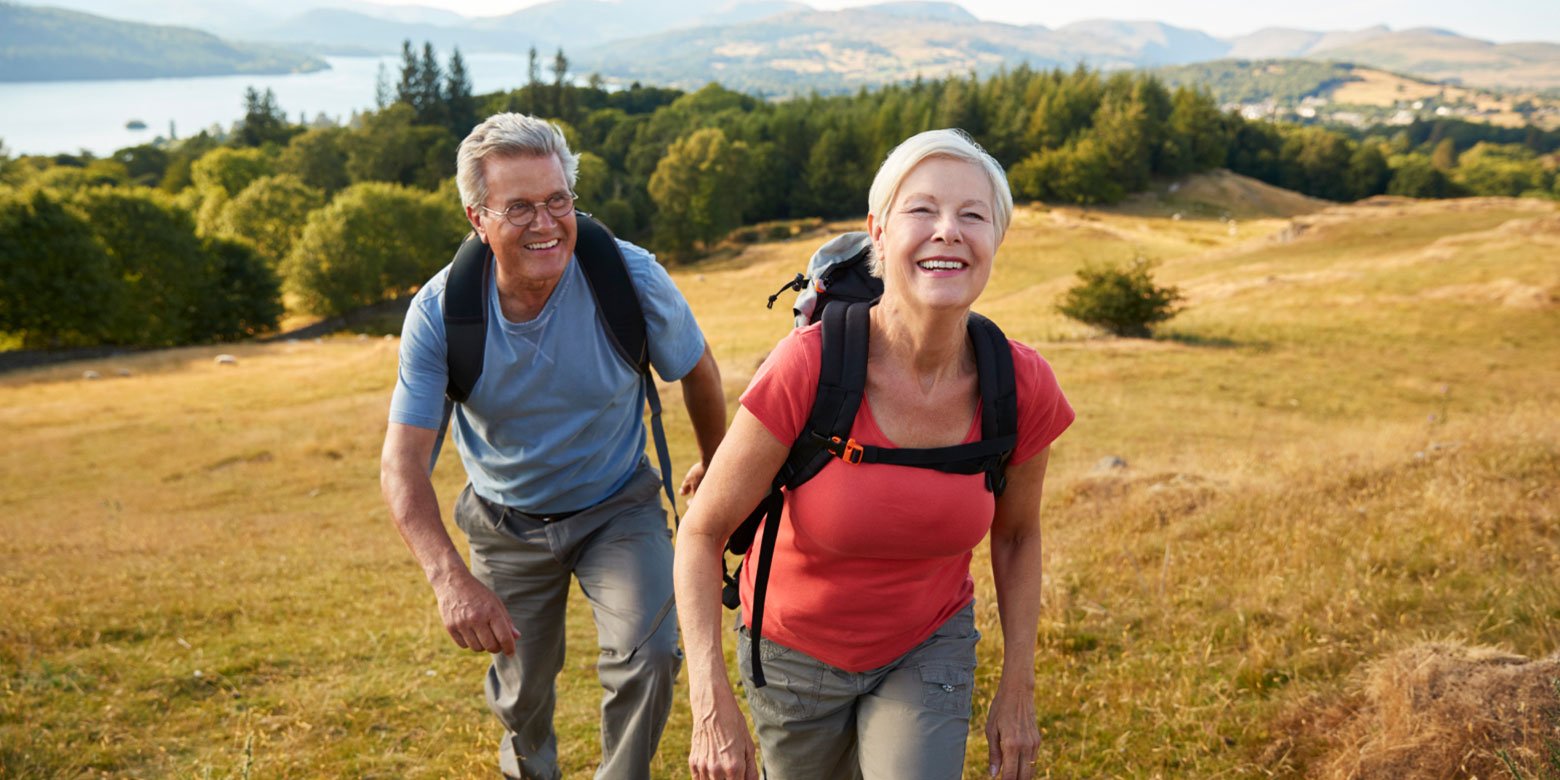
pixel 907 720
pixel 620 551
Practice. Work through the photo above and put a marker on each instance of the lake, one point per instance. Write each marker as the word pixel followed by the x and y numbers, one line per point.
pixel 69 116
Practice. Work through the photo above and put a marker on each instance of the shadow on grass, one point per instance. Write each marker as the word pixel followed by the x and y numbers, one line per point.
pixel 1208 341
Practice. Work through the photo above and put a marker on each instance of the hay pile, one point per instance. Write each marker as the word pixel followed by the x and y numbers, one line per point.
pixel 1435 711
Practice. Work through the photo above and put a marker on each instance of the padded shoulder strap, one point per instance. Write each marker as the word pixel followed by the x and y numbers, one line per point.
pixel 617 306
pixel 616 303
pixel 465 316
pixel 998 391
pixel 842 381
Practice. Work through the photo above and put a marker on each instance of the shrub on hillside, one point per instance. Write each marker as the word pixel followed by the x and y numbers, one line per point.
pixel 375 241
pixel 60 287
pixel 269 213
pixel 243 294
pixel 1124 301
pixel 154 252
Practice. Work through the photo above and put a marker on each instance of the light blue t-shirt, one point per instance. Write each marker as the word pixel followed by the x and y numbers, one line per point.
pixel 555 423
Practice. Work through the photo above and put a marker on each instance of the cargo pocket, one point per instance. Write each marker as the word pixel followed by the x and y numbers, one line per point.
pixel 947 688
pixel 793 680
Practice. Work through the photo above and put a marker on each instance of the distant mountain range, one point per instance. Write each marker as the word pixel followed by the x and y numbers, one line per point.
pixel 53 44
pixel 780 47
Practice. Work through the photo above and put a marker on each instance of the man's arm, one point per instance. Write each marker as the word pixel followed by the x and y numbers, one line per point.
pixel 473 615
pixel 705 398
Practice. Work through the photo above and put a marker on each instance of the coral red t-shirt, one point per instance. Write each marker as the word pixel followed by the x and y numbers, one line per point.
pixel 871 558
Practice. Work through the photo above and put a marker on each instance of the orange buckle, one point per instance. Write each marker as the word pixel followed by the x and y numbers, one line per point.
pixel 848 450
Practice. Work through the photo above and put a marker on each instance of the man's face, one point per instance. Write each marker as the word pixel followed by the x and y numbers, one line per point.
pixel 540 251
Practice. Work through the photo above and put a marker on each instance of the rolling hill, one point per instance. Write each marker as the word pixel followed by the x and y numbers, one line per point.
pixel 1346 443
pixel 51 44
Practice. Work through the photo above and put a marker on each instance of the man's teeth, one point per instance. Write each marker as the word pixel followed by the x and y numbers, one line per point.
pixel 542 246
pixel 941 265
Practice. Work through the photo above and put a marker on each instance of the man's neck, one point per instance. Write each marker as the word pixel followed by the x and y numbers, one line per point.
pixel 522 300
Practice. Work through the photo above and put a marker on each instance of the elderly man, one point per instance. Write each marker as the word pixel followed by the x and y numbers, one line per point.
pixel 552 438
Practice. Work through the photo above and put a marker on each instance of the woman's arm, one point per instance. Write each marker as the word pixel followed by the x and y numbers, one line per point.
pixel 1011 728
pixel 739 477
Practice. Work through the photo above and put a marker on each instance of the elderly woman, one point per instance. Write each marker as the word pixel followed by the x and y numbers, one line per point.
pixel 869 641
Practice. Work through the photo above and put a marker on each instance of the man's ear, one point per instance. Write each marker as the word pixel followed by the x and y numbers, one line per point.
pixel 475 218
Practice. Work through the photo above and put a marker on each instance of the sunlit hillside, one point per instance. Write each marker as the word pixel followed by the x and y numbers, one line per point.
pixel 1346 446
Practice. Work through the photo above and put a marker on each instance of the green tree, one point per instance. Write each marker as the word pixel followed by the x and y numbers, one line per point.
pixel 533 84
pixel 1124 301
pixel 145 164
pixel 374 241
pixel 264 121
pixel 1414 176
pixel 594 184
pixel 699 189
pixel 560 71
pixel 1501 169
pixel 462 107
pixel 1316 162
pixel 1195 137
pixel 1079 172
pixel 317 158
pixel 153 248
pixel 242 296
pixel 61 288
pixel 430 105
pixel 98 173
pixel 230 170
pixel 389 147
pixel 1444 158
pixel 1368 172
pixel 269 214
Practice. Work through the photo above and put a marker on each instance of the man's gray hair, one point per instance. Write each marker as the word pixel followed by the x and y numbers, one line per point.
pixel 508 135
pixel 951 143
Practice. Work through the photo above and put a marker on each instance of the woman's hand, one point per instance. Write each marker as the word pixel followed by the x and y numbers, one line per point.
pixel 1012 734
pixel 722 748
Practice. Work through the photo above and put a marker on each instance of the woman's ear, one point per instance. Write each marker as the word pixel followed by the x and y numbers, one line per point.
pixel 875 232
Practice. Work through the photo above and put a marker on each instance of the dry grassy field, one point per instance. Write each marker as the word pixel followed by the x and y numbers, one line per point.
pixel 1332 553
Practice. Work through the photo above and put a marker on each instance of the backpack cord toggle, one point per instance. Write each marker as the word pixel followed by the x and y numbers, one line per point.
pixel 798 284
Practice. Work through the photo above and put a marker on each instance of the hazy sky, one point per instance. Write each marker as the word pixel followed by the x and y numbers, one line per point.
pixel 1497 20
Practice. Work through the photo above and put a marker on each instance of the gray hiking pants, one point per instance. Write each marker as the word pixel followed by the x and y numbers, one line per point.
pixel 907 720
pixel 620 551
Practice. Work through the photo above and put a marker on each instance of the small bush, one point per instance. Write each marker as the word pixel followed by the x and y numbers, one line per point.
pixel 1124 301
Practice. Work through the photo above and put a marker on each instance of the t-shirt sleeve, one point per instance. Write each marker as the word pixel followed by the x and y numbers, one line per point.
pixel 1043 411
pixel 423 371
pixel 676 343
pixel 782 391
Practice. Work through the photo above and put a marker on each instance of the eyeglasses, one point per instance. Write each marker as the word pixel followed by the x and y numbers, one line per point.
pixel 522 214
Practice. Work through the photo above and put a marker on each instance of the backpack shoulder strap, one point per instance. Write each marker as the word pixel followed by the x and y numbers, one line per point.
pixel 842 382
pixel 616 302
pixel 465 328
pixel 465 316
pixel 998 393
pixel 617 306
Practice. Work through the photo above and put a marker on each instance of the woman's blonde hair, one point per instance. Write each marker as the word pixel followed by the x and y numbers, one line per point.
pixel 951 143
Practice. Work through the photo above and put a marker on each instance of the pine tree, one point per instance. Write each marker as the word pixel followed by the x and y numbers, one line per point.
pixel 431 109
pixel 560 70
pixel 461 106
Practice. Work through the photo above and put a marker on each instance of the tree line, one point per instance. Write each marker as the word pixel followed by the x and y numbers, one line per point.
pixel 335 217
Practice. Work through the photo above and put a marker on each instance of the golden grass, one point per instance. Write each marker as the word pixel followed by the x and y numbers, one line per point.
pixel 1346 446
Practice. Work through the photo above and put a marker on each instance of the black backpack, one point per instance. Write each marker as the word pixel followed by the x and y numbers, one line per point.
pixel 617 305
pixel 841 295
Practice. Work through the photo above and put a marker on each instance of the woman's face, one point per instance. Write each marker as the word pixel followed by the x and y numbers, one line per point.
pixel 937 241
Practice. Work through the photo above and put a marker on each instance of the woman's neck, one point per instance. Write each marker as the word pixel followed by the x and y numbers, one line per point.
pixel 932 345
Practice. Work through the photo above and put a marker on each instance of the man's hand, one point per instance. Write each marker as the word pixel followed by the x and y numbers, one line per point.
pixel 474 616
pixel 691 482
